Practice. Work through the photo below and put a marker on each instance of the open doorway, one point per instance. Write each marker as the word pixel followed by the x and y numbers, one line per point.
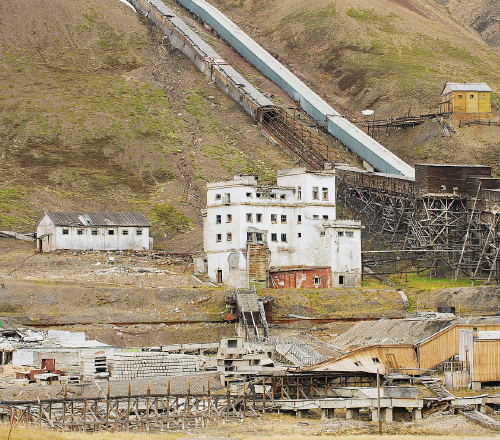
pixel 341 280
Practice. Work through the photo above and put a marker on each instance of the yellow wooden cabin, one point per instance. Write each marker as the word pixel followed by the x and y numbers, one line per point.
pixel 466 100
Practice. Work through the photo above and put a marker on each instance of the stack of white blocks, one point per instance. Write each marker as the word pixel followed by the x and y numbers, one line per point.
pixel 137 365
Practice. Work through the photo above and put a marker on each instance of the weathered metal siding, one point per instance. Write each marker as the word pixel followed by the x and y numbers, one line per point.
pixel 350 135
pixel 203 56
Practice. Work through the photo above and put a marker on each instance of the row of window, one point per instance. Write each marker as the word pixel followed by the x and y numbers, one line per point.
pixel 274 236
pixel 250 237
pixel 258 195
pixel 65 231
pixel 258 218
pixel 471 96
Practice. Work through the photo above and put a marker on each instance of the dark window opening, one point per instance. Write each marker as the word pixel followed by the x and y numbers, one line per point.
pixel 299 219
pixel 258 236
pixel 111 232
pixel 65 231
pixel 283 237
pixel 218 238
pixel 258 218
pixel 274 237
pixel 94 232
pixel 125 232
pixel 79 232
pixel 218 219
pixel 316 281
pixel 249 236
pixel 341 279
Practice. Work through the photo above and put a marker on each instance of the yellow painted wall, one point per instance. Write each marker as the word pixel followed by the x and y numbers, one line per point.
pixel 471 102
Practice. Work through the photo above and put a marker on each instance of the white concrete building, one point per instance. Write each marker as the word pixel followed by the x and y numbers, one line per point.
pixel 93 231
pixel 285 235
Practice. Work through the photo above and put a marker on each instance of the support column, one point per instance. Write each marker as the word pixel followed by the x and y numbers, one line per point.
pixel 481 408
pixel 416 413
pixel 375 416
pixel 327 413
pixel 352 413
pixel 302 413
pixel 389 415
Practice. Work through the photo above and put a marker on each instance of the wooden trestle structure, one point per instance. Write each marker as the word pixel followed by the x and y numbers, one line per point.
pixel 151 411
pixel 142 412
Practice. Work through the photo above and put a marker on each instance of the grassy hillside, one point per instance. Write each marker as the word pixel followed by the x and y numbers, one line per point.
pixel 97 114
pixel 392 56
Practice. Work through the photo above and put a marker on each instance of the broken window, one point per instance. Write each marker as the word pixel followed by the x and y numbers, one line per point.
pixel 315 217
pixel 299 234
pixel 65 231
pixel 357 363
pixel 316 281
pixel 249 218
pixel 218 196
pixel 299 219
pixel 218 219
pixel 325 217
pixel 249 195
pixel 111 232
pixel 283 218
pixel 138 232
pixel 283 238
pixel 272 195
pixel 341 280
pixel 274 237
pixel 258 195
pixel 283 196
pixel 376 360
pixel 94 232
pixel 471 96
pixel 349 234
pixel 483 96
pixel 249 236
pixel 125 232
pixel 229 218
pixel 229 236
pixel 459 96
pixel 227 199
pixel 455 187
pixel 274 218
pixel 443 187
pixel 79 231
pixel 258 236
pixel 218 238
pixel 322 234
pixel 341 233
pixel 324 191
pixel 315 193
pixel 258 218
pixel 299 193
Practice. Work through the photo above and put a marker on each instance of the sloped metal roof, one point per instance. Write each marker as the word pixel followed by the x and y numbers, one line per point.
pixel 467 87
pixel 98 219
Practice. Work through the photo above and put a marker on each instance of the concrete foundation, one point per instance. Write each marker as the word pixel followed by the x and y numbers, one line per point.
pixel 476 386
pixel 416 413
pixel 327 413
pixel 352 413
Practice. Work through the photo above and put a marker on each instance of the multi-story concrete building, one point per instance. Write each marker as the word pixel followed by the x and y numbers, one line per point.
pixel 284 236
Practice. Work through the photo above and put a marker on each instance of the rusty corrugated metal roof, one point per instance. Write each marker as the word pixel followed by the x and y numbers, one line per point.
pixel 98 218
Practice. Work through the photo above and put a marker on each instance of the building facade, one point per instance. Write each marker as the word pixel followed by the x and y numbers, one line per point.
pixel 280 236
pixel 466 100
pixel 93 231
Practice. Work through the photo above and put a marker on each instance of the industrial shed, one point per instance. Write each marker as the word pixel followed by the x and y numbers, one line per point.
pixel 466 100
pixel 478 356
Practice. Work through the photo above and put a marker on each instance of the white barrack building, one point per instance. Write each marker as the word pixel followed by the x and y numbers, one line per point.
pixel 284 236
pixel 93 231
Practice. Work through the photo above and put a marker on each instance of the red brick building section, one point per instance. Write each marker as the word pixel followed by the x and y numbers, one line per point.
pixel 301 277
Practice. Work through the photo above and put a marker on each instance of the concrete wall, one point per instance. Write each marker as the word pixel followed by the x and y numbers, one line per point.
pixel 293 219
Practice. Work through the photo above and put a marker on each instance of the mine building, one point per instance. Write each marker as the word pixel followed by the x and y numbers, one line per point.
pixel 98 231
pixel 283 236
pixel 466 100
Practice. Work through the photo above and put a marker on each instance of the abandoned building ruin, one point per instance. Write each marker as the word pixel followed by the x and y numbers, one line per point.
pixel 280 236
pixel 93 231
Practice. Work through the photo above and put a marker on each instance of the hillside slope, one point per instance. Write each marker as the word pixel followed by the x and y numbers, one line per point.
pixel 97 114
pixel 392 56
